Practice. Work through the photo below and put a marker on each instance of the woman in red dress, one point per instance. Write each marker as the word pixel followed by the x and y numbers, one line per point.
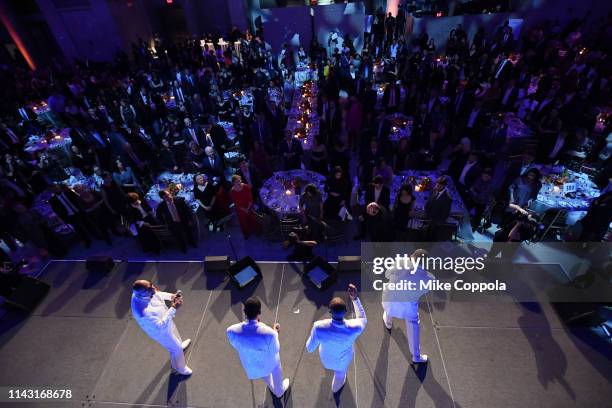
pixel 243 200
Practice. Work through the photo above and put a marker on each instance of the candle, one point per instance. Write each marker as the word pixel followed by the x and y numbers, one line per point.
pixel 288 192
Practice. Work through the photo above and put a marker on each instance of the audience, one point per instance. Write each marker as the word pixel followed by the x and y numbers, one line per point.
pixel 166 110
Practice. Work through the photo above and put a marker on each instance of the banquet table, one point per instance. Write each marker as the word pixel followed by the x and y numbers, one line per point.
pixel 229 128
pixel 401 126
pixel 60 143
pixel 279 194
pixel 564 189
pixel 182 183
pixel 244 97
pixel 418 178
pixel 78 178
pixel 303 73
pixel 516 128
pixel 294 121
pixel 422 182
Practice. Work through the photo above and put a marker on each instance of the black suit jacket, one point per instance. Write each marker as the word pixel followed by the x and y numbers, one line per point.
pixel 59 208
pixel 201 140
pixel 384 198
pixel 294 161
pixel 133 215
pixel 215 170
pixel 438 208
pixel 163 213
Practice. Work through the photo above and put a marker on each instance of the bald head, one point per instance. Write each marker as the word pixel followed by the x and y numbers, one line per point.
pixel 143 288
pixel 337 308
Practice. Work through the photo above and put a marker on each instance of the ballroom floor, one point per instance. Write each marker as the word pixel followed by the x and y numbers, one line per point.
pixel 82 337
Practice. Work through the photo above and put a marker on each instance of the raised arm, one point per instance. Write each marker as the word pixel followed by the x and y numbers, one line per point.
pixel 313 341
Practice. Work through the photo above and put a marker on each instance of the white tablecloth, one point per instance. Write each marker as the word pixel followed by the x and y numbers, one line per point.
pixel 278 194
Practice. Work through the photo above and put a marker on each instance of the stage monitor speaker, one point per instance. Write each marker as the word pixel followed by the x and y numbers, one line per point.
pixel 320 273
pixel 349 263
pixel 27 294
pixel 216 263
pixel 99 264
pixel 244 272
pixel 579 314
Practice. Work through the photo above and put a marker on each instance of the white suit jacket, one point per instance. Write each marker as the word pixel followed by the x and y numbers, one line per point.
pixel 156 319
pixel 257 345
pixel 404 304
pixel 335 340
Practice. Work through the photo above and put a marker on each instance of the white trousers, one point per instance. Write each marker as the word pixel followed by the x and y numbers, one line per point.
pixel 274 380
pixel 338 381
pixel 177 358
pixel 412 332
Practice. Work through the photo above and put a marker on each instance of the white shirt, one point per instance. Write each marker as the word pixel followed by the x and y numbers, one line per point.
pixel 404 304
pixel 464 172
pixel 257 346
pixel 335 339
pixel 156 319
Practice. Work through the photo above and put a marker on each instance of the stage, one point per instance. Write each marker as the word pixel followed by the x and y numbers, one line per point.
pixel 82 337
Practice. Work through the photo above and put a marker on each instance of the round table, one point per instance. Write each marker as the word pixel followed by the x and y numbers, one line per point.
pixel 416 178
pixel 401 127
pixel 564 189
pixel 278 194
pixel 183 182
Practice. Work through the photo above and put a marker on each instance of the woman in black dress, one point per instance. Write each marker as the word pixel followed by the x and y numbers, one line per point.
pixel 402 211
pixel 205 195
pixel 400 157
pixel 338 188
pixel 114 197
pixel 318 158
pixel 196 157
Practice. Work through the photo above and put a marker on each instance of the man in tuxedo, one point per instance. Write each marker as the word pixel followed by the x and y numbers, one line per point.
pixel 475 120
pixel 369 158
pixel 174 212
pixel 217 138
pixel 391 98
pixel 467 173
pixel 66 204
pixel 9 137
pixel 251 177
pixel 377 192
pixel 212 166
pixel 335 337
pixel 193 133
pixel 461 103
pixel 554 148
pixel 438 207
pixel 291 152
pixel 258 348
pixel 509 96
pixel 260 129
pixel 157 320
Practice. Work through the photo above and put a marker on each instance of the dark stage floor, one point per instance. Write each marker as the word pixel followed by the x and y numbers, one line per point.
pixel 82 337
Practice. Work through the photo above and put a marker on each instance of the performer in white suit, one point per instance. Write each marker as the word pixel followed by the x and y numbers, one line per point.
pixel 157 320
pixel 405 305
pixel 335 337
pixel 258 348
